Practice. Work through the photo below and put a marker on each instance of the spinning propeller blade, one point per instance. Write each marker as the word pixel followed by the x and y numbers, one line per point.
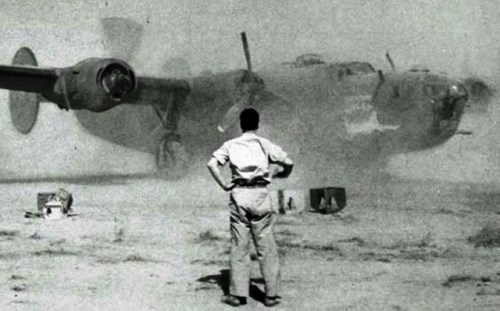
pixel 389 59
pixel 248 96
pixel 121 37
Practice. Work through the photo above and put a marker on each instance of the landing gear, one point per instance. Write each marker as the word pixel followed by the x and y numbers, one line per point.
pixel 172 159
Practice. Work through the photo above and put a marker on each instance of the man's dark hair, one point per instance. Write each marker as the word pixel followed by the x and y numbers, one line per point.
pixel 249 120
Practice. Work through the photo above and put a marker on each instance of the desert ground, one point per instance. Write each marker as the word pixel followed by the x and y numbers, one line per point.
pixel 150 244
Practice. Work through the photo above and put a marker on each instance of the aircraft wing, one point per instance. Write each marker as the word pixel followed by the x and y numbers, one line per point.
pixel 151 87
pixel 28 78
pixel 42 80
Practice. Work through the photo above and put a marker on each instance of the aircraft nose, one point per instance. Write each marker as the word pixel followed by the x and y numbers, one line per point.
pixel 450 108
pixel 457 90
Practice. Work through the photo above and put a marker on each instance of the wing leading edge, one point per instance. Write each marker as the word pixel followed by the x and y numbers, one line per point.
pixel 151 88
pixel 28 79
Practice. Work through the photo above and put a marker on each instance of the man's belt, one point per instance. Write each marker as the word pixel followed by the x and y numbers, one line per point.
pixel 260 183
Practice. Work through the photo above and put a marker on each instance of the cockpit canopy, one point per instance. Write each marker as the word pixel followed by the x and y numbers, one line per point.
pixel 309 59
pixel 352 68
pixel 419 68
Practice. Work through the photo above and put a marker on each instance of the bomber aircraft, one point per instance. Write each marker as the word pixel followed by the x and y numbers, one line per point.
pixel 348 111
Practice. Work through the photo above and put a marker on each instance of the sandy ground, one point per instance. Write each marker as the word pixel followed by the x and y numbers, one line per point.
pixel 146 245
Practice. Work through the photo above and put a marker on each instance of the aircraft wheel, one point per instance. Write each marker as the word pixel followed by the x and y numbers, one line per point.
pixel 172 158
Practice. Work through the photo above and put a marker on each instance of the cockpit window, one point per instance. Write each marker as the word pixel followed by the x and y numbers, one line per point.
pixel 412 89
pixel 419 68
pixel 431 90
pixel 359 67
pixel 408 89
pixel 352 68
pixel 435 90
pixel 428 90
pixel 308 60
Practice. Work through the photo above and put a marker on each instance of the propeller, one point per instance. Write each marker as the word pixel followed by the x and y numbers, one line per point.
pixel 121 37
pixel 249 86
pixel 247 52
pixel 389 59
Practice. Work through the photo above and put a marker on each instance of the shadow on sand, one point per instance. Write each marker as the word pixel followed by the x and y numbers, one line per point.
pixel 222 280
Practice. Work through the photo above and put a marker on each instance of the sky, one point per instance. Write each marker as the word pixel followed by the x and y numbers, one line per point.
pixel 452 36
pixel 455 36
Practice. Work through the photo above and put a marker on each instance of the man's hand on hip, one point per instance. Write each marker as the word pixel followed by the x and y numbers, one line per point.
pixel 229 186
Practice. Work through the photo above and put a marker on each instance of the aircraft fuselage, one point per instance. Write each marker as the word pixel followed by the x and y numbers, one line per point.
pixel 344 105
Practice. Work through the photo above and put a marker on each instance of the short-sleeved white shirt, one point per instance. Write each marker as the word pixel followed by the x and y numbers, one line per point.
pixel 249 156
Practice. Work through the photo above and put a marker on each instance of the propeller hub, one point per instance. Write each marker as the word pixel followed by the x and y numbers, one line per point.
pixel 250 83
pixel 116 80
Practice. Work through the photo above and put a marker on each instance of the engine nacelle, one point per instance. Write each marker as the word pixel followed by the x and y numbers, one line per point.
pixel 95 84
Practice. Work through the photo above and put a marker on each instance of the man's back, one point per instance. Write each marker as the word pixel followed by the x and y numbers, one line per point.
pixel 249 156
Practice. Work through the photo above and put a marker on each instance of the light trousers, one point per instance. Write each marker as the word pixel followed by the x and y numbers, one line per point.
pixel 252 217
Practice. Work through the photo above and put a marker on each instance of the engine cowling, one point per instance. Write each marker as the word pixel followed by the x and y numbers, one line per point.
pixel 95 84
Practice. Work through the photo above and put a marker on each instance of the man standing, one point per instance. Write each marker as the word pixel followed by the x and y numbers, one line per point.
pixel 251 212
